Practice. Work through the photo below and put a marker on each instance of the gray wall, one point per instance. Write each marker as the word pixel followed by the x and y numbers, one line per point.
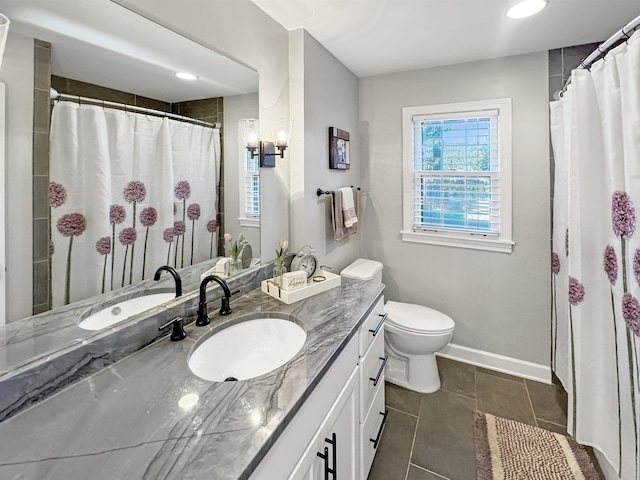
pixel 237 107
pixel 500 302
pixel 324 93
pixel 18 75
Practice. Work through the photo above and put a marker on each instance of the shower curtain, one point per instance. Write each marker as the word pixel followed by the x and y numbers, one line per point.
pixel 595 131
pixel 128 193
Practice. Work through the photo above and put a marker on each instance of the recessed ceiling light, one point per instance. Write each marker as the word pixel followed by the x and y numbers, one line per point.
pixel 526 8
pixel 186 76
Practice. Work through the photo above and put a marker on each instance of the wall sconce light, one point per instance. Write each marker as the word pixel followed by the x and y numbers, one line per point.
pixel 281 130
pixel 4 31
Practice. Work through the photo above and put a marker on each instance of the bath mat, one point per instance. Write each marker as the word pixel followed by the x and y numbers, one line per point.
pixel 508 450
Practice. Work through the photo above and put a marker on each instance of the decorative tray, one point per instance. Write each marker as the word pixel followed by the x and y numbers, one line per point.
pixel 313 288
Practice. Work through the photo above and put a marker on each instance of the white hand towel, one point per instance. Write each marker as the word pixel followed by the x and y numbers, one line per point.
pixel 348 207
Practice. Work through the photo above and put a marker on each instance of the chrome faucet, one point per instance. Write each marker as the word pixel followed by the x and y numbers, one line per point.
pixel 175 275
pixel 203 318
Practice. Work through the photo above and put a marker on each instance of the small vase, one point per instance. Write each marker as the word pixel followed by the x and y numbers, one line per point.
pixel 278 270
pixel 235 266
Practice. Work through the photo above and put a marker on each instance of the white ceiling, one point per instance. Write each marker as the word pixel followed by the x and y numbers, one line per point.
pixel 372 37
pixel 103 43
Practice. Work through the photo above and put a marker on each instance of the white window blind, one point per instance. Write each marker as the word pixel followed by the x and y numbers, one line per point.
pixel 456 172
pixel 251 186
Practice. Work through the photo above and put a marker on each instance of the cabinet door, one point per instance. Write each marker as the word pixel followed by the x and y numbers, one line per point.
pixel 334 452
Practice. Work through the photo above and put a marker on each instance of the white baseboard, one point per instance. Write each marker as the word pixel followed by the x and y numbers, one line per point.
pixel 499 363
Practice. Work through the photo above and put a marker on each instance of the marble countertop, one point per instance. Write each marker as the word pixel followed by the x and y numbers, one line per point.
pixel 138 418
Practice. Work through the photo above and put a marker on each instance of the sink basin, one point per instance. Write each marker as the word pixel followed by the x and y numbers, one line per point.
pixel 121 311
pixel 247 349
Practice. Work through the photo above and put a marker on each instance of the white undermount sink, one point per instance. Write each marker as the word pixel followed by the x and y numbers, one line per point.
pixel 247 349
pixel 122 310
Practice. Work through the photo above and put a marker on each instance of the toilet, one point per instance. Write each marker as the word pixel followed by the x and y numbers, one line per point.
pixel 413 335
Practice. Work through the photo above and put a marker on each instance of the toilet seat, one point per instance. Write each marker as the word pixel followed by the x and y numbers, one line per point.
pixel 417 318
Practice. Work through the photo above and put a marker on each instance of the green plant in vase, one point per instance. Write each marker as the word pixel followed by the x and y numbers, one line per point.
pixel 233 251
pixel 279 267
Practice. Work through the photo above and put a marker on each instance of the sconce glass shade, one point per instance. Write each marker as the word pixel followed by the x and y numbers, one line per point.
pixel 4 31
pixel 281 128
pixel 250 131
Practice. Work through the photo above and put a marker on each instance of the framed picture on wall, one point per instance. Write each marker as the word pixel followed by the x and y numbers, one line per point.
pixel 338 149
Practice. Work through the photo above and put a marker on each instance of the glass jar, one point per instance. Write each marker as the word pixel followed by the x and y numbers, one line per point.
pixel 278 270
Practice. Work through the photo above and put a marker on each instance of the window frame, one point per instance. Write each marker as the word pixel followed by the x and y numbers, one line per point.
pixel 449 237
pixel 245 219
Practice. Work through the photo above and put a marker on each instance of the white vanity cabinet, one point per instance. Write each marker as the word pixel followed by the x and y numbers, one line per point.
pixel 333 433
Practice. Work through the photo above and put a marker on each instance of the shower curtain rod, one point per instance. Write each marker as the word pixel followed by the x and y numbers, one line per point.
pixel 604 47
pixel 54 95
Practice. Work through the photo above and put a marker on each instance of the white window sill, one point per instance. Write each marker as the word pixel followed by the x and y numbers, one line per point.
pixel 459 241
pixel 249 222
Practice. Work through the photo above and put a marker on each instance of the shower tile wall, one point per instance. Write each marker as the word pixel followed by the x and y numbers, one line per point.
pixel 42 75
pixel 208 110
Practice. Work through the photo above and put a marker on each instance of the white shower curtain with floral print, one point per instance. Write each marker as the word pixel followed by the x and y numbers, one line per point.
pixel 128 193
pixel 595 131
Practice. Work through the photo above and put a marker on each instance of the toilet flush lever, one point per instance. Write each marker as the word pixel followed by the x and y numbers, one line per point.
pixel 382 320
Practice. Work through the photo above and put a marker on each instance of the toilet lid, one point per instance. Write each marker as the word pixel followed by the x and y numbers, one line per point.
pixel 417 318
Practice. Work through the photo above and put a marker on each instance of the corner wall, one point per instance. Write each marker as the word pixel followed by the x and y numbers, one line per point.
pixel 324 93
pixel 500 302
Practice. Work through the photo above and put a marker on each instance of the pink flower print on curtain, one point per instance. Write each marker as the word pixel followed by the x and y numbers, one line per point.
pixel 183 192
pixel 103 247
pixel 576 296
pixel 127 236
pixel 193 213
pixel 610 265
pixel 179 229
pixel 212 227
pixel 117 215
pixel 70 225
pixel 631 313
pixel 168 235
pixel 134 192
pixel 555 268
pixel 57 197
pixel 148 218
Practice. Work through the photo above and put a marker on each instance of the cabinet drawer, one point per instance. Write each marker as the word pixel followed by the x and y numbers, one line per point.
pixel 372 326
pixel 371 374
pixel 372 431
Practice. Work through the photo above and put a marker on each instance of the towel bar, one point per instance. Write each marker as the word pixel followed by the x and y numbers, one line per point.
pixel 320 192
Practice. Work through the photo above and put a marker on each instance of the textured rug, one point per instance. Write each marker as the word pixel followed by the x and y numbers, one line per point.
pixel 508 450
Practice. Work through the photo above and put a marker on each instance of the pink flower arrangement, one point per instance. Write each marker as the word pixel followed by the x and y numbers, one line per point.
pixel 57 194
pixel 610 262
pixel 148 216
pixel 623 215
pixel 227 237
pixel 576 291
pixel 103 246
pixel 134 191
pixel 193 211
pixel 128 236
pixel 72 224
pixel 631 313
pixel 182 190
pixel 117 214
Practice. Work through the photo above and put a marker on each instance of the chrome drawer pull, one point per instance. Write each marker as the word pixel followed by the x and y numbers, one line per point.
pixel 384 317
pixel 377 439
pixel 377 379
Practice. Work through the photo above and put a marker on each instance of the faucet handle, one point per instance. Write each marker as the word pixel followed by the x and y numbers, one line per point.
pixel 178 332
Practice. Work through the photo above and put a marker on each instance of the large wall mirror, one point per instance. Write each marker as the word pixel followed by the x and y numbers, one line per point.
pixel 103 51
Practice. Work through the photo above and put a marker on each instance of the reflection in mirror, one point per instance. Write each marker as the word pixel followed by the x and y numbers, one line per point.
pixel 118 192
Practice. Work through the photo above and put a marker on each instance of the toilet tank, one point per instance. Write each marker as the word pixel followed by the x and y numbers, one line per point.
pixel 364 269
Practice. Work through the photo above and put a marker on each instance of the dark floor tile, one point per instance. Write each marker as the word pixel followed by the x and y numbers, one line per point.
pixel 549 402
pixel 504 398
pixel 495 373
pixel 417 473
pixel 457 377
pixel 444 437
pixel 553 427
pixel 392 458
pixel 402 399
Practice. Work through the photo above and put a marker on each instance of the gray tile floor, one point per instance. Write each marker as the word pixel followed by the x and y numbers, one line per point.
pixel 430 436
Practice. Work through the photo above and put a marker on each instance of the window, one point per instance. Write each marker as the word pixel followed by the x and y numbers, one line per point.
pixel 249 187
pixel 457 175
